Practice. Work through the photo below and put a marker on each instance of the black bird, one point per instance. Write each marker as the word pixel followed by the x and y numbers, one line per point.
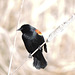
pixel 32 39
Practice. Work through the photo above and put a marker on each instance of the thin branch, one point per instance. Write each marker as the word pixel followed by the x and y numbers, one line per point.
pixel 19 67
pixel 37 49
pixel 59 29
pixel 15 38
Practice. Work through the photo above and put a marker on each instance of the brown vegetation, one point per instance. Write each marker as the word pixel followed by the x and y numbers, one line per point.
pixel 45 15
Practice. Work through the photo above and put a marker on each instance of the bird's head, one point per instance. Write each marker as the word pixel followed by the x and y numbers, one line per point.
pixel 24 28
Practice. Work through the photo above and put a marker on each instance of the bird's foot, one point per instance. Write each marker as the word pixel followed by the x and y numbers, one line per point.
pixel 39 48
pixel 30 56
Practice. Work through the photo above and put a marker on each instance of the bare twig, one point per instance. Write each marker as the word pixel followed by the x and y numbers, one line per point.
pixel 15 37
pixel 59 29
pixel 19 67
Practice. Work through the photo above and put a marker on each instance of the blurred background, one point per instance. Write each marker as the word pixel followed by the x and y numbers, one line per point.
pixel 45 15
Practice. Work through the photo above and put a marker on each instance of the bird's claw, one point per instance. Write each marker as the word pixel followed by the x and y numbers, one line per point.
pixel 39 48
pixel 30 56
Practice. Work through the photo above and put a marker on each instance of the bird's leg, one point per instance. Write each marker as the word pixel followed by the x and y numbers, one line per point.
pixel 30 56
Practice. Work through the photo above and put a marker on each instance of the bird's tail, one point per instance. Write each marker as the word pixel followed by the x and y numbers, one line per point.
pixel 40 63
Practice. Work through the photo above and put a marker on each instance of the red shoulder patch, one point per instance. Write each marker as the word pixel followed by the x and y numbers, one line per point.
pixel 37 31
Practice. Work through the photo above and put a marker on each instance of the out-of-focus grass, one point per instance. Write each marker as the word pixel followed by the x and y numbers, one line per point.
pixel 46 16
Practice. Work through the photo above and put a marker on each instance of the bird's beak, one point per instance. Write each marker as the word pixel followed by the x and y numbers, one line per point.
pixel 19 29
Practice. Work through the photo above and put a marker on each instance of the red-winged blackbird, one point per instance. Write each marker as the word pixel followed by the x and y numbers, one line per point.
pixel 32 39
